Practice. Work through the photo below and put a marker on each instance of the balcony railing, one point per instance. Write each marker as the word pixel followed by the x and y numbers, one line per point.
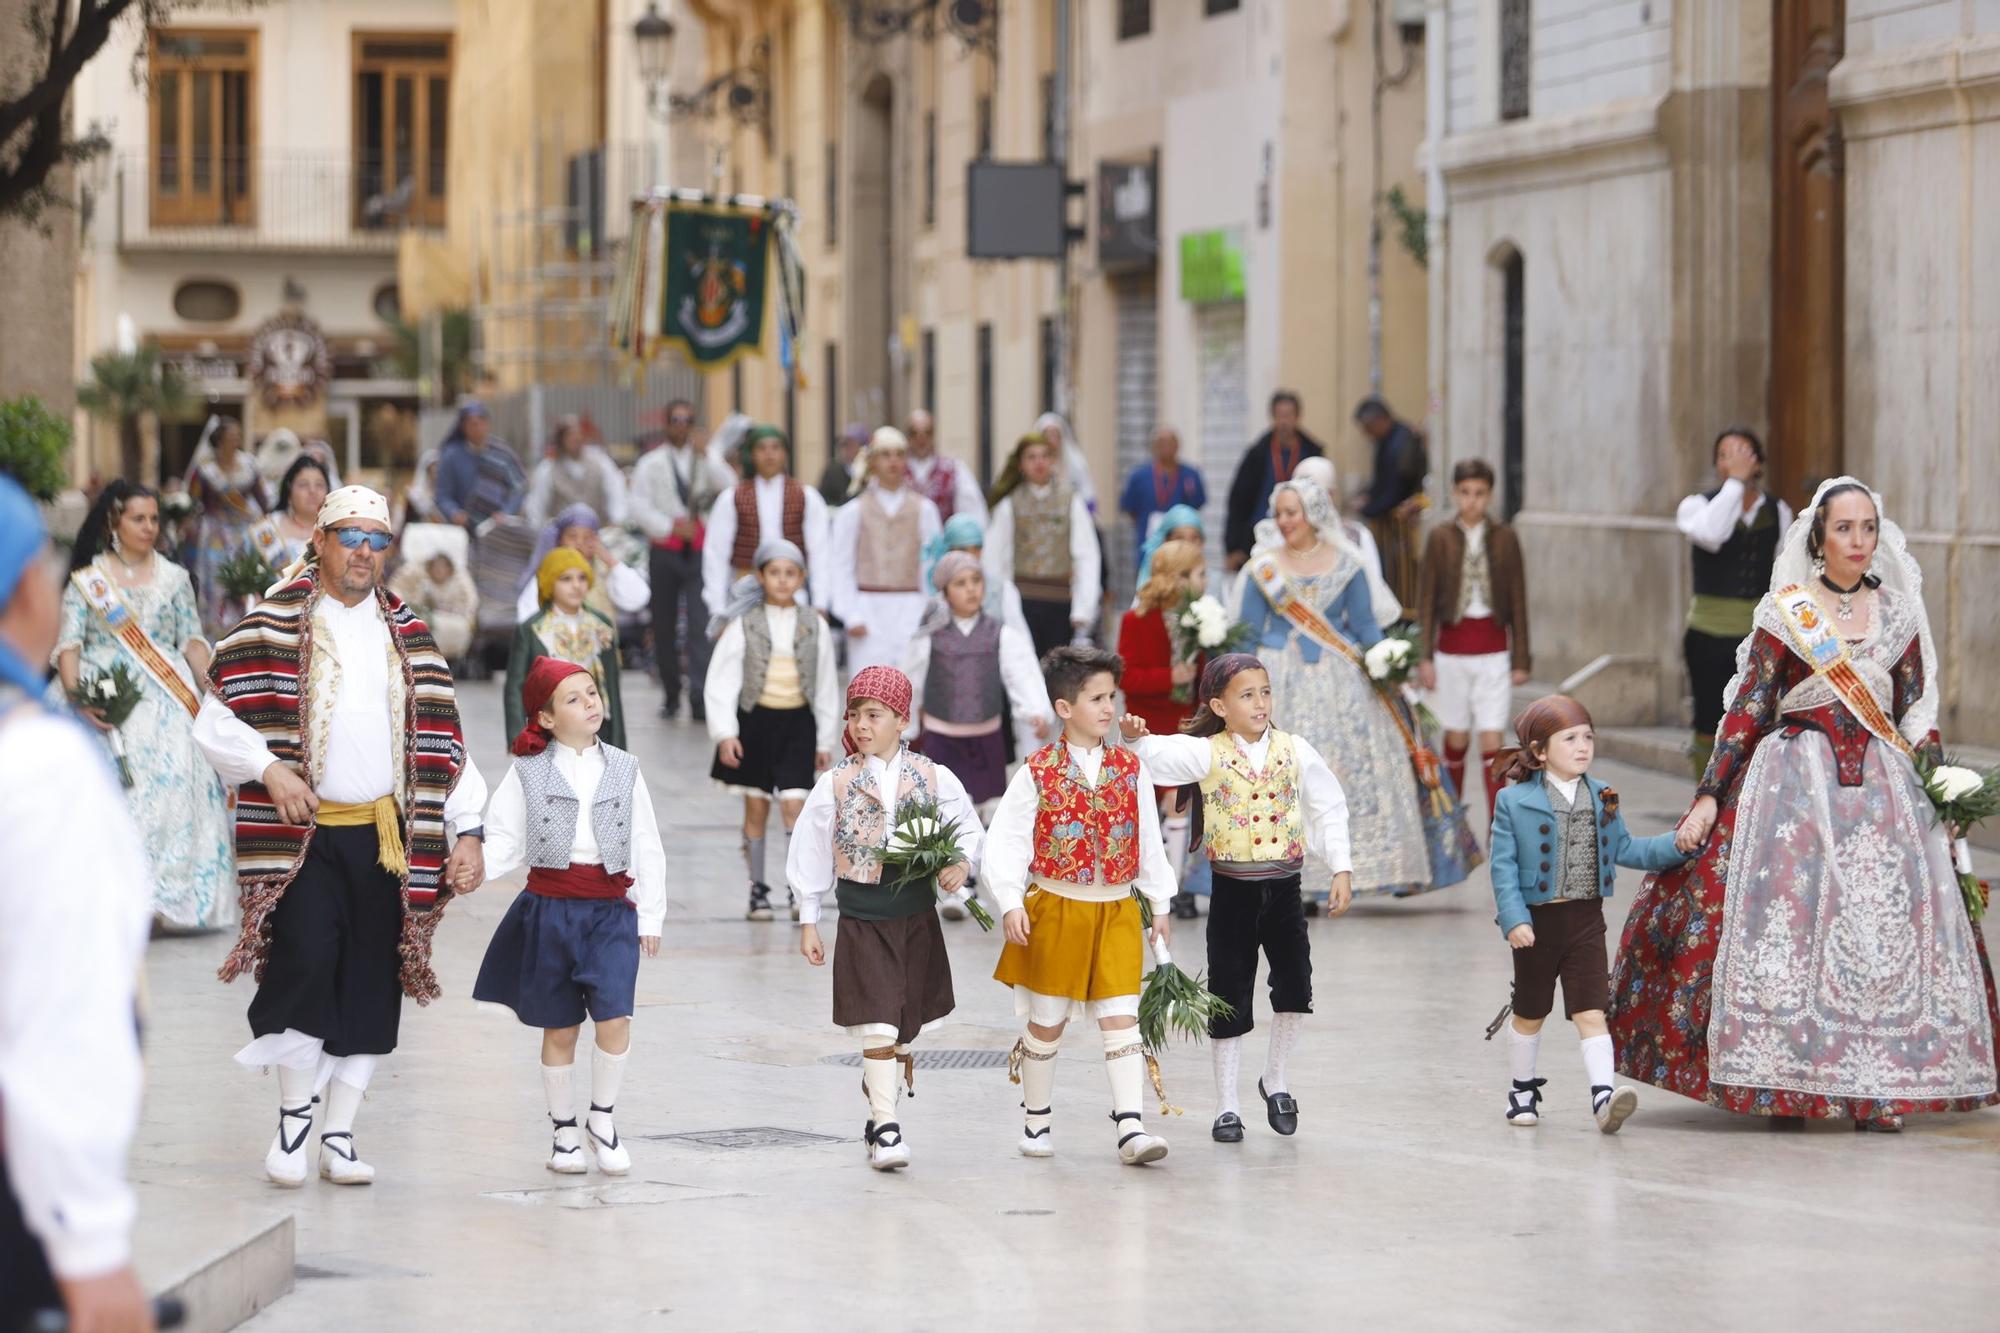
pixel 269 201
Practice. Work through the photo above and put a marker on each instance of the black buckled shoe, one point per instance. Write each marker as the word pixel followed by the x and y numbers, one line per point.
pixel 1281 1109
pixel 1228 1128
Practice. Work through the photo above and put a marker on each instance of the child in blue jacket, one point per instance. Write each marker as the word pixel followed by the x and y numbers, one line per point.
pixel 1558 841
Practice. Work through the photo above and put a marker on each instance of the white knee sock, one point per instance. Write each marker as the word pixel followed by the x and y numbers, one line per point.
pixel 1598 1060
pixel 1228 1055
pixel 296 1086
pixel 607 1071
pixel 1125 1069
pixel 881 1080
pixel 1284 1034
pixel 557 1090
pixel 343 1099
pixel 1038 1080
pixel 1521 1050
pixel 1174 828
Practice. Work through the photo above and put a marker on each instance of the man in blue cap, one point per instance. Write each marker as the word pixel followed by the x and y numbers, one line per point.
pixel 75 908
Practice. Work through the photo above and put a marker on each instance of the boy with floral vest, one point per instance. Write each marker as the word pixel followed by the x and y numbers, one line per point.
pixel 1074 835
pixel 891 976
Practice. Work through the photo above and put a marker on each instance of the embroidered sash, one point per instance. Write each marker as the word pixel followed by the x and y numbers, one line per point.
pixel 1285 600
pixel 1816 640
pixel 102 596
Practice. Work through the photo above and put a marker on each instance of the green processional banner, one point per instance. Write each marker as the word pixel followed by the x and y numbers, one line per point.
pixel 712 304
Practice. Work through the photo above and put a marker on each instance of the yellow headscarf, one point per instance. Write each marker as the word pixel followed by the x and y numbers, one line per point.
pixel 556 564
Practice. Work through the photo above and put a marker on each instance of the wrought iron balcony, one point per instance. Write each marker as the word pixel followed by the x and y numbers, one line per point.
pixel 271 201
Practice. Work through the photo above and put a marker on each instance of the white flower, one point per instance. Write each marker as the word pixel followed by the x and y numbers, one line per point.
pixel 1387 656
pixel 1950 783
pixel 107 688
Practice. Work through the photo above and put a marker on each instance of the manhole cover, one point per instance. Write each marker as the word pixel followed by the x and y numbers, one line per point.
pixel 760 1136
pixel 934 1060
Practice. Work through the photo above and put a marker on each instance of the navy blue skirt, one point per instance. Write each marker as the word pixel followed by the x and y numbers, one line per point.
pixel 554 960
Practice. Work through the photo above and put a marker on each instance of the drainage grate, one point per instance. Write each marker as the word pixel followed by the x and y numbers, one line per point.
pixel 934 1060
pixel 758 1136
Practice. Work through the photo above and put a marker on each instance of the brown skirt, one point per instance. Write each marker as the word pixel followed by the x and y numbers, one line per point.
pixel 891 972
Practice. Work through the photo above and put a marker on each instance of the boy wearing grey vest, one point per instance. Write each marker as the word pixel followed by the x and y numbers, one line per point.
pixel 576 812
pixel 773 702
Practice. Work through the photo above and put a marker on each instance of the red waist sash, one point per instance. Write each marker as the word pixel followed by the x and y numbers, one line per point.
pixel 578 881
pixel 1472 636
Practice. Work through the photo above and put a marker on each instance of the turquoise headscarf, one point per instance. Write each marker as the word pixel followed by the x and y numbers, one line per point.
pixel 960 530
pixel 22 537
pixel 1179 516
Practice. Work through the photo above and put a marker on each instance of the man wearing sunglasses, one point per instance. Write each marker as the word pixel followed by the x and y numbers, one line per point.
pixel 334 711
pixel 673 488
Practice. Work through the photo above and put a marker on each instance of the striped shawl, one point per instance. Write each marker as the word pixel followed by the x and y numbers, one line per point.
pixel 260 671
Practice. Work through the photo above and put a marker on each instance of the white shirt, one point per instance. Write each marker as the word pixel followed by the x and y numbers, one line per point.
pixel 657 482
pixel 1476 606
pixel 507 830
pixel 1566 786
pixel 535 508
pixel 846 544
pixel 1174 760
pixel 1086 586
pixel 965 496
pixel 630 591
pixel 1711 523
pixel 1010 844
pixel 719 545
pixel 358 764
pixel 809 865
pixel 1020 676
pixel 723 689
pixel 76 903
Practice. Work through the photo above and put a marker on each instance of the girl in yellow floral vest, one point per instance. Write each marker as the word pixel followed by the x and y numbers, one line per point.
pixel 891 977
pixel 1266 798
pixel 1075 833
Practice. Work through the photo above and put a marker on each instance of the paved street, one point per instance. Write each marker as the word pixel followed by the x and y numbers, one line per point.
pixel 1404 1202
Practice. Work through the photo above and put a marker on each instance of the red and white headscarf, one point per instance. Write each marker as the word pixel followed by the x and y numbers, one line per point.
pixel 886 686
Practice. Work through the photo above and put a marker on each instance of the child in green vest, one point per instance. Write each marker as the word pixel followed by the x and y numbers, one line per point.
pixel 773 702
pixel 1266 798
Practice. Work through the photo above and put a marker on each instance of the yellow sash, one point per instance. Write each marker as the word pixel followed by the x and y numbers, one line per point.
pixel 381 812
pixel 1826 653
pixel 102 596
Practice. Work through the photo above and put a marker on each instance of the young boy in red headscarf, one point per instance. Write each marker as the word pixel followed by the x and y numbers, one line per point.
pixel 577 813
pixel 891 976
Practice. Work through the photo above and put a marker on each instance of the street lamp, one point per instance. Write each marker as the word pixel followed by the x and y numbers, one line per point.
pixel 744 92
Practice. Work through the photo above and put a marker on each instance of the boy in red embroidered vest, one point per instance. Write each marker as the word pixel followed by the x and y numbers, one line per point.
pixel 891 976
pixel 577 813
pixel 1074 834
pixel 1263 800
pixel 1472 607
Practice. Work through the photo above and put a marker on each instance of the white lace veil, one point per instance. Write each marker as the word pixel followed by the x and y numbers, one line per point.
pixel 1322 514
pixel 1900 576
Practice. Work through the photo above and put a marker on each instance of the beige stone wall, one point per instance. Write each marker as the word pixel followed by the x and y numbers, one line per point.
pixel 1923 124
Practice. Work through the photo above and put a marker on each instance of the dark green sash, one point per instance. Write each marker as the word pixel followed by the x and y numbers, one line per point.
pixel 884 902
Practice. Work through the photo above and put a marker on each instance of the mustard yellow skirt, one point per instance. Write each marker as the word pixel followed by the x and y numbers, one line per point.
pixel 1076 950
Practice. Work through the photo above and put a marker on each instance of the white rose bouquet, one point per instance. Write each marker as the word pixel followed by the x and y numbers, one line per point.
pixel 112 695
pixel 1201 626
pixel 1962 797
pixel 922 845
pixel 1391 661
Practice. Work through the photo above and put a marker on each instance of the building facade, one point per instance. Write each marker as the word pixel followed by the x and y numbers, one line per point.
pixel 1238 156
pixel 248 214
pixel 1663 216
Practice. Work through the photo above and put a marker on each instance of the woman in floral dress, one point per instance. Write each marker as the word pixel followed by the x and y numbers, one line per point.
pixel 1322 694
pixel 1817 959
pixel 228 494
pixel 282 536
pixel 176 798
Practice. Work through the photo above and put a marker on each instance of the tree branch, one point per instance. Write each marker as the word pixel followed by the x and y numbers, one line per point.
pixel 66 61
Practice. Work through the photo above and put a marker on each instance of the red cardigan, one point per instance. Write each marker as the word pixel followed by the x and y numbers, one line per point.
pixel 1149 664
